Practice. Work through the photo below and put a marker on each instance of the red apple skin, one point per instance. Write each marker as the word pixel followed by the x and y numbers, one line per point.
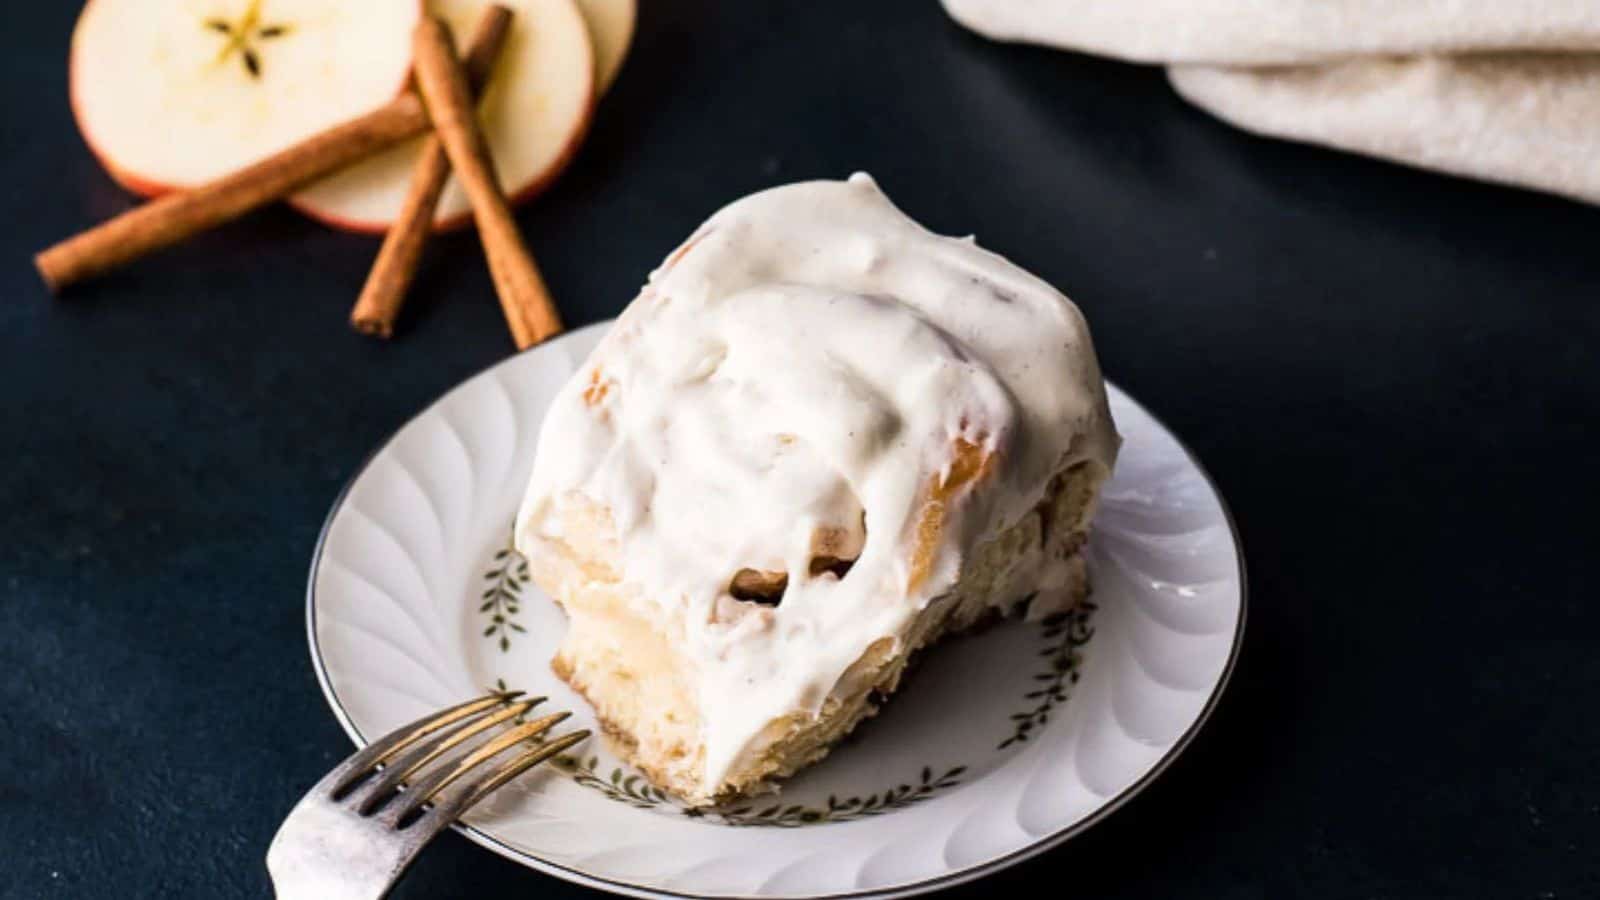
pixel 522 194
pixel 132 182
pixel 129 181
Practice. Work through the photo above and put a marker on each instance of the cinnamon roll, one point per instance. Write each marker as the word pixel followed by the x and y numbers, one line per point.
pixel 821 438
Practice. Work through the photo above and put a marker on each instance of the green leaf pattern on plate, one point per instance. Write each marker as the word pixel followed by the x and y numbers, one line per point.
pixel 1064 636
pixel 501 600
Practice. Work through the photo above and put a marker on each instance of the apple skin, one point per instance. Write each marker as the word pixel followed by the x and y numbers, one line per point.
pixel 150 188
pixel 517 194
pixel 521 195
pixel 130 181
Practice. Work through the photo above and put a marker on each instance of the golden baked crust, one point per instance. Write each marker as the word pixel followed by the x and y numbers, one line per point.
pixel 631 672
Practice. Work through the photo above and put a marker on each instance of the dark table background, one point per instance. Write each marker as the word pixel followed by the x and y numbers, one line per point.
pixel 1391 375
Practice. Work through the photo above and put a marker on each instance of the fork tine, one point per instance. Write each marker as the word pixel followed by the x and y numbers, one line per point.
pixel 429 787
pixel 403 767
pixel 361 764
pixel 488 783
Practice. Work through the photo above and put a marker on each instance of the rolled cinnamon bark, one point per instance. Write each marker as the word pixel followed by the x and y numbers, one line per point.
pixel 524 299
pixel 384 293
pixel 175 217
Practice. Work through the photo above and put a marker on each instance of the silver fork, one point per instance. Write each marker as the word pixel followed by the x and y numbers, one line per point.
pixel 353 835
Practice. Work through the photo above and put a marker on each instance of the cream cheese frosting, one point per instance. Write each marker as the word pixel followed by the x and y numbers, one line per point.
pixel 797 377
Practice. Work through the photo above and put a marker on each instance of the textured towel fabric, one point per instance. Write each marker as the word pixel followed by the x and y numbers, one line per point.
pixel 1499 91
pixel 1275 32
pixel 1527 120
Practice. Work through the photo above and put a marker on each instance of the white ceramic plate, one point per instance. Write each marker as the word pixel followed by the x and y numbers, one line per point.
pixel 1001 745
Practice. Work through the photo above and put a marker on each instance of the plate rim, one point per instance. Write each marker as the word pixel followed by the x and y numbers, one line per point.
pixel 938 882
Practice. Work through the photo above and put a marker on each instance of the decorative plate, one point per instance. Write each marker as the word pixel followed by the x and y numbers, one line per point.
pixel 1001 745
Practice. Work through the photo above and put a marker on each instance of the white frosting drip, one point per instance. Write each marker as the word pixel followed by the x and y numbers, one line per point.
pixel 809 355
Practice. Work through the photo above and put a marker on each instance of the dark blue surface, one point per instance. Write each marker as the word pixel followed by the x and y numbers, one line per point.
pixel 1391 375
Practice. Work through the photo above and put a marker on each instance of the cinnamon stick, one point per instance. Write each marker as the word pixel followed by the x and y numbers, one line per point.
pixel 523 296
pixel 177 216
pixel 384 293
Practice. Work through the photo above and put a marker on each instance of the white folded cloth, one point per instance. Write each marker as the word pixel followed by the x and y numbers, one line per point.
pixel 1502 91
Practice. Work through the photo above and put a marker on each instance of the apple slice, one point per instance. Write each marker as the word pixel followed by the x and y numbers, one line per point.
pixel 611 27
pixel 173 93
pixel 534 112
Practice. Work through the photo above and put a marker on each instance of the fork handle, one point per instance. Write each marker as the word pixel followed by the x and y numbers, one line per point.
pixel 331 854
